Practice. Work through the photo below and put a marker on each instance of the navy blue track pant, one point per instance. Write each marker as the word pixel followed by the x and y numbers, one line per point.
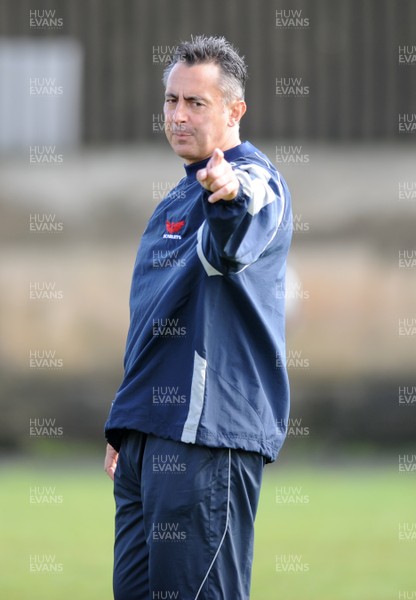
pixel 184 520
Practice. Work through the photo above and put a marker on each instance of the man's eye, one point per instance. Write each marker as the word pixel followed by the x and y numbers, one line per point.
pixel 197 103
pixel 170 100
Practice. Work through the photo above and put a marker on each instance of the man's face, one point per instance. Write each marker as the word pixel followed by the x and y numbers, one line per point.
pixel 196 119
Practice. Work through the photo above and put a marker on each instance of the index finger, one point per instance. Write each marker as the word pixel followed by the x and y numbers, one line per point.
pixel 216 158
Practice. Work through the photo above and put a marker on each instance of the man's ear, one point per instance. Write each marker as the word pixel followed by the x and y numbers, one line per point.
pixel 237 110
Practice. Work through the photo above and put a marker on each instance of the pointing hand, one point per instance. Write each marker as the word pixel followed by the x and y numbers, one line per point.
pixel 218 177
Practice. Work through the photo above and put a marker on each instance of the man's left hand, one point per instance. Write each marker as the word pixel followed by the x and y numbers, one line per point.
pixel 218 177
pixel 110 461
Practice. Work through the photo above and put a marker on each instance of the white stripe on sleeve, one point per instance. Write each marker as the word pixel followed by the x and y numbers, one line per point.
pixel 209 269
pixel 254 181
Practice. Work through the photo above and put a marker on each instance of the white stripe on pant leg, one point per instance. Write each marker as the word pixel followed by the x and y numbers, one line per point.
pixel 226 526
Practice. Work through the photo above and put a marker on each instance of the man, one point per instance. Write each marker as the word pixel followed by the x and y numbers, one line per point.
pixel 204 400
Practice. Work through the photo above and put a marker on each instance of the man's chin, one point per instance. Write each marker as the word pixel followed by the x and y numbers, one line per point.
pixel 183 152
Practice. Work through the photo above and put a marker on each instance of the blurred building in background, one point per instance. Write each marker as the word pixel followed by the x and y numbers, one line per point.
pixel 341 56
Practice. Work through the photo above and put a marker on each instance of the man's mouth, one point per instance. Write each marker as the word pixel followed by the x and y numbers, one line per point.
pixel 180 133
pixel 180 130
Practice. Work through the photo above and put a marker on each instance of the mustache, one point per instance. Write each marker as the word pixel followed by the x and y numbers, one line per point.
pixel 177 128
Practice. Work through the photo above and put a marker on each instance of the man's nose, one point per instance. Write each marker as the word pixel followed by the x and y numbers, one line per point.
pixel 179 115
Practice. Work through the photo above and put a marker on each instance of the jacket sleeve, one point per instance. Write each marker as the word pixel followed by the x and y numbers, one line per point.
pixel 235 233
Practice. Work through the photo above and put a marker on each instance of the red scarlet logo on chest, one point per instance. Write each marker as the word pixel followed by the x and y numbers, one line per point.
pixel 174 227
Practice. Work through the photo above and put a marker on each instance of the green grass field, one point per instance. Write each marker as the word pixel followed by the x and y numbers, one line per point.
pixel 320 534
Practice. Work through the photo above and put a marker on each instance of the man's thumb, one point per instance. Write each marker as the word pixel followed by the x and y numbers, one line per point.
pixel 201 175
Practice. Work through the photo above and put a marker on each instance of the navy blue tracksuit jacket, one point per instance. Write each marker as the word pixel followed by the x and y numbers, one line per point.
pixel 205 353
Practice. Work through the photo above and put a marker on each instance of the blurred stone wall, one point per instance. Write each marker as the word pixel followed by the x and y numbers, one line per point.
pixel 339 123
pixel 68 239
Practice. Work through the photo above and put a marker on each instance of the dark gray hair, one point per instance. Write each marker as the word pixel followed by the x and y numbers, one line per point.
pixel 217 50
